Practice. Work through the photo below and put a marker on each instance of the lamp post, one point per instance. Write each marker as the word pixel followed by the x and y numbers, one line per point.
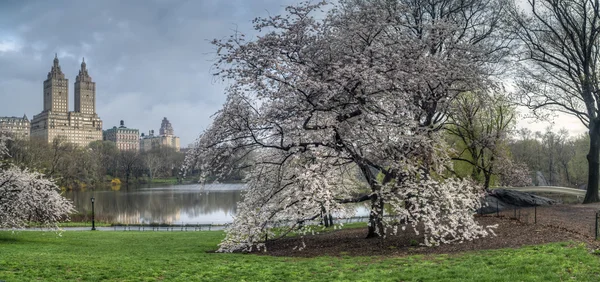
pixel 93 223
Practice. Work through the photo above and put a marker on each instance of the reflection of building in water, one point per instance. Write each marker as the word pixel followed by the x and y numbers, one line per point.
pixel 128 218
pixel 149 217
pixel 174 205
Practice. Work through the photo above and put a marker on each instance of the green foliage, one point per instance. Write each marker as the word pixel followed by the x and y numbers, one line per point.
pixel 477 128
pixel 463 168
pixel 186 256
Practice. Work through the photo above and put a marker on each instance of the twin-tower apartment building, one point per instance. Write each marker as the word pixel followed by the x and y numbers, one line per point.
pixel 80 126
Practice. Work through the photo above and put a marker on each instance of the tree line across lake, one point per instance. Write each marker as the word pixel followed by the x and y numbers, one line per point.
pixel 75 167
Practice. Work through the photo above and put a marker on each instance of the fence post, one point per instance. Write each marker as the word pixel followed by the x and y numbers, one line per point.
pixel 596 229
pixel 497 210
pixel 535 214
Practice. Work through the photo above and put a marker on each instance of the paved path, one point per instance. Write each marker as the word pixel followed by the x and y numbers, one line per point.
pixel 551 189
pixel 125 228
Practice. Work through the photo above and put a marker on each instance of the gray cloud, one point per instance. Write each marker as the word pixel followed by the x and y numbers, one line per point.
pixel 150 59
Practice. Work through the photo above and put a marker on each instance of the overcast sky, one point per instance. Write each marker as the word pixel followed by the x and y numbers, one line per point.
pixel 149 59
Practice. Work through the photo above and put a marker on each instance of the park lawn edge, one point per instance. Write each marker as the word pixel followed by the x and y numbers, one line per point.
pixel 189 256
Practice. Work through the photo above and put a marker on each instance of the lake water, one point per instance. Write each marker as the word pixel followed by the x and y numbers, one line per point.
pixel 178 204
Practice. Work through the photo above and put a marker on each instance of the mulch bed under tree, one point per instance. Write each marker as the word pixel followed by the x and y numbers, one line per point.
pixel 555 224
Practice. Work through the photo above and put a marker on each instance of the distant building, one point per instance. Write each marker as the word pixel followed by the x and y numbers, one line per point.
pixel 81 126
pixel 166 129
pixel 166 138
pixel 126 139
pixel 17 127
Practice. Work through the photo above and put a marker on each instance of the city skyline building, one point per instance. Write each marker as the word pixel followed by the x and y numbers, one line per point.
pixel 166 138
pixel 16 127
pixel 126 139
pixel 166 128
pixel 80 126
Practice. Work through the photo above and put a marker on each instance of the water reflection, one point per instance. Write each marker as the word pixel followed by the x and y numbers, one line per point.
pixel 186 204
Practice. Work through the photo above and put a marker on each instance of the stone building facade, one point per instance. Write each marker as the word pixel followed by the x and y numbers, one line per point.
pixel 126 139
pixel 166 128
pixel 15 126
pixel 79 127
pixel 166 138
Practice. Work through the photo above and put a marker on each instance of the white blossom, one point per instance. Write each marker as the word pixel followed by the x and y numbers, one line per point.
pixel 27 197
pixel 324 107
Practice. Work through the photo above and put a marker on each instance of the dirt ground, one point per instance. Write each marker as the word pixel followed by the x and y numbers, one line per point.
pixel 516 228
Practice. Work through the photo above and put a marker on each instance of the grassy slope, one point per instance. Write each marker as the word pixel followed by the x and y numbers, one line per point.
pixel 182 256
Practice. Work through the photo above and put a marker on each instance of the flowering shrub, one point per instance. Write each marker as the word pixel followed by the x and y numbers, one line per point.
pixel 115 182
pixel 27 196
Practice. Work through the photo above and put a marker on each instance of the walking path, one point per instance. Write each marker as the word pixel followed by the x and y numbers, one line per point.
pixel 551 189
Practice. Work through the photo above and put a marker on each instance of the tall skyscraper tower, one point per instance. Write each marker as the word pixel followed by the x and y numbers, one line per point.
pixel 166 128
pixel 81 126
pixel 85 92
pixel 56 90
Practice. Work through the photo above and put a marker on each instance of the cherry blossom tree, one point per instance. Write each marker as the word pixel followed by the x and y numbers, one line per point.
pixel 319 101
pixel 513 173
pixel 26 196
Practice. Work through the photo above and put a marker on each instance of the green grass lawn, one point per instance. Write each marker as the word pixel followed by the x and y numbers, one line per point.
pixel 183 256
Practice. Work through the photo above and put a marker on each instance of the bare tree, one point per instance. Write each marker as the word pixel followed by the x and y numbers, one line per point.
pixel 129 163
pixel 477 28
pixel 153 163
pixel 565 151
pixel 559 66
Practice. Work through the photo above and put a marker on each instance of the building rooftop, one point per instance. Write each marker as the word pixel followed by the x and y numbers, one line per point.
pixel 14 119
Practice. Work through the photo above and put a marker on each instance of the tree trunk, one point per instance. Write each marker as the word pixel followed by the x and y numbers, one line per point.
pixel 488 178
pixel 591 195
pixel 376 218
pixel 324 217
pixel 565 166
pixel 127 177
pixel 550 163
